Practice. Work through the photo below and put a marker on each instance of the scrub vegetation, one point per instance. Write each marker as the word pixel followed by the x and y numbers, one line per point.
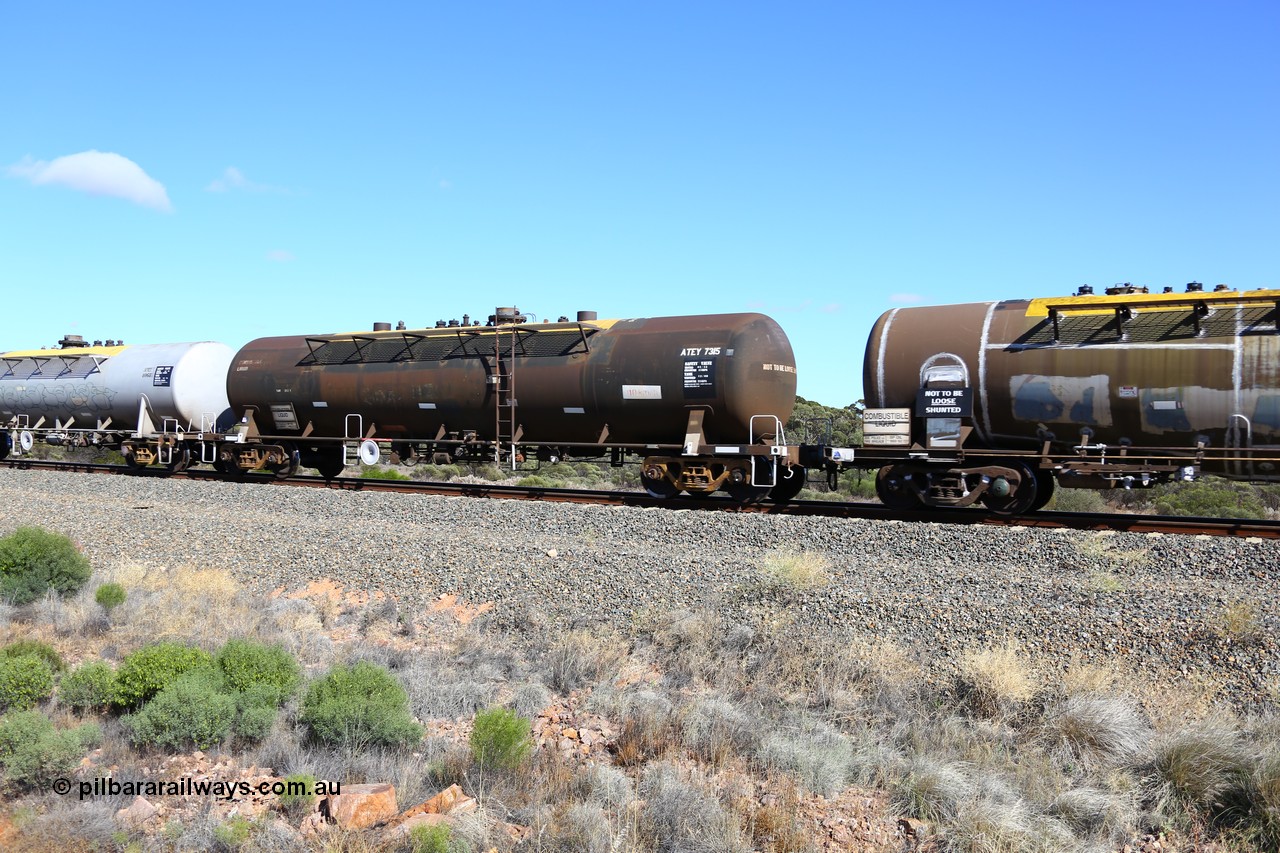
pixel 685 732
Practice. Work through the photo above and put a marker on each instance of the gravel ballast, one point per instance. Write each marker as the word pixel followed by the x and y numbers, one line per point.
pixel 1157 605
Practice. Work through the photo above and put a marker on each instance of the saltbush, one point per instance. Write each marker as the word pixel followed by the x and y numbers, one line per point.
pixel 33 561
pixel 359 705
pixel 18 648
pixel 270 670
pixel 33 752
pixel 192 710
pixel 110 596
pixel 500 739
pixel 150 669
pixel 89 687
pixel 24 681
pixel 255 711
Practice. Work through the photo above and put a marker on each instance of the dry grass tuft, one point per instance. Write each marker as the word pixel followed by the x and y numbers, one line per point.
pixel 932 790
pixel 787 570
pixel 996 681
pixel 814 753
pixel 1101 547
pixel 716 731
pixel 648 729
pixel 1094 731
pixel 1088 678
pixel 1240 623
pixel 681 813
pixel 581 658
pixel 1195 767
pixel 205 606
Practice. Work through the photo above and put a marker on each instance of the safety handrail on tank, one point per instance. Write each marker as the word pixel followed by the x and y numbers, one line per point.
pixel 358 355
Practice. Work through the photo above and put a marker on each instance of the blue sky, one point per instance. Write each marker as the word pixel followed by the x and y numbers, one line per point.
pixel 285 168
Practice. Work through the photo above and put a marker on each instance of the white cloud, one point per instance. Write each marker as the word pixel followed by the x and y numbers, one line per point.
pixel 280 256
pixel 906 298
pixel 97 173
pixel 234 179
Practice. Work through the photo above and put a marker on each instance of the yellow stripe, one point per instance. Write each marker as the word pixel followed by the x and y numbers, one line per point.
pixel 1080 305
pixel 73 352
pixel 452 331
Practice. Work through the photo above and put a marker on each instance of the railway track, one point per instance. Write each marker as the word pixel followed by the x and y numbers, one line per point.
pixel 1120 522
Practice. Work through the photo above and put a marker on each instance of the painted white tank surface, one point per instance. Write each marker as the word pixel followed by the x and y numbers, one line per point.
pixel 184 381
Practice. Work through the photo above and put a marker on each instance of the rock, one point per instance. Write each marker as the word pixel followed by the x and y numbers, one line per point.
pixel 362 806
pixel 312 825
pixel 449 801
pixel 138 813
pixel 912 828
pixel 401 830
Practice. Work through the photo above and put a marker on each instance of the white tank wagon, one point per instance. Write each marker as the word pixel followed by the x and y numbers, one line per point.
pixel 146 399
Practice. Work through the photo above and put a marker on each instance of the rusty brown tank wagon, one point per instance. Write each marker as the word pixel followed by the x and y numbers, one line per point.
pixel 999 401
pixel 701 398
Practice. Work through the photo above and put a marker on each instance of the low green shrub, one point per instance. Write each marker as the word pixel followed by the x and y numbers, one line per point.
pixel 150 669
pixel 33 561
pixel 537 481
pixel 89 687
pixel 433 839
pixel 233 834
pixel 500 739
pixel 34 752
pixel 1079 500
pixel 18 648
pixel 110 596
pixel 359 705
pixel 191 710
pixel 383 474
pixel 256 711
pixel 246 665
pixel 24 681
pixel 299 796
pixel 1210 498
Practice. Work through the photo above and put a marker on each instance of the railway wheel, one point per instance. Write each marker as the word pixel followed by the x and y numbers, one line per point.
pixel 6 444
pixel 892 489
pixel 790 482
pixel 286 469
pixel 328 462
pixel 661 488
pixel 1018 502
pixel 746 493
pixel 131 458
pixel 1045 485
pixel 656 482
pixel 180 459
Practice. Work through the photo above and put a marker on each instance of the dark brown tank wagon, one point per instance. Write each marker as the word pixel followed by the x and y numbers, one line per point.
pixel 703 398
pixel 998 401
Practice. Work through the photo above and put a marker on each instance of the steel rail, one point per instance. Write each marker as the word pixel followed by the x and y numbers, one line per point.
pixel 1186 525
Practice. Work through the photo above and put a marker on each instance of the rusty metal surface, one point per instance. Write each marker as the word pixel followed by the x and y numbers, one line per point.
pixel 637 378
pixel 1151 370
